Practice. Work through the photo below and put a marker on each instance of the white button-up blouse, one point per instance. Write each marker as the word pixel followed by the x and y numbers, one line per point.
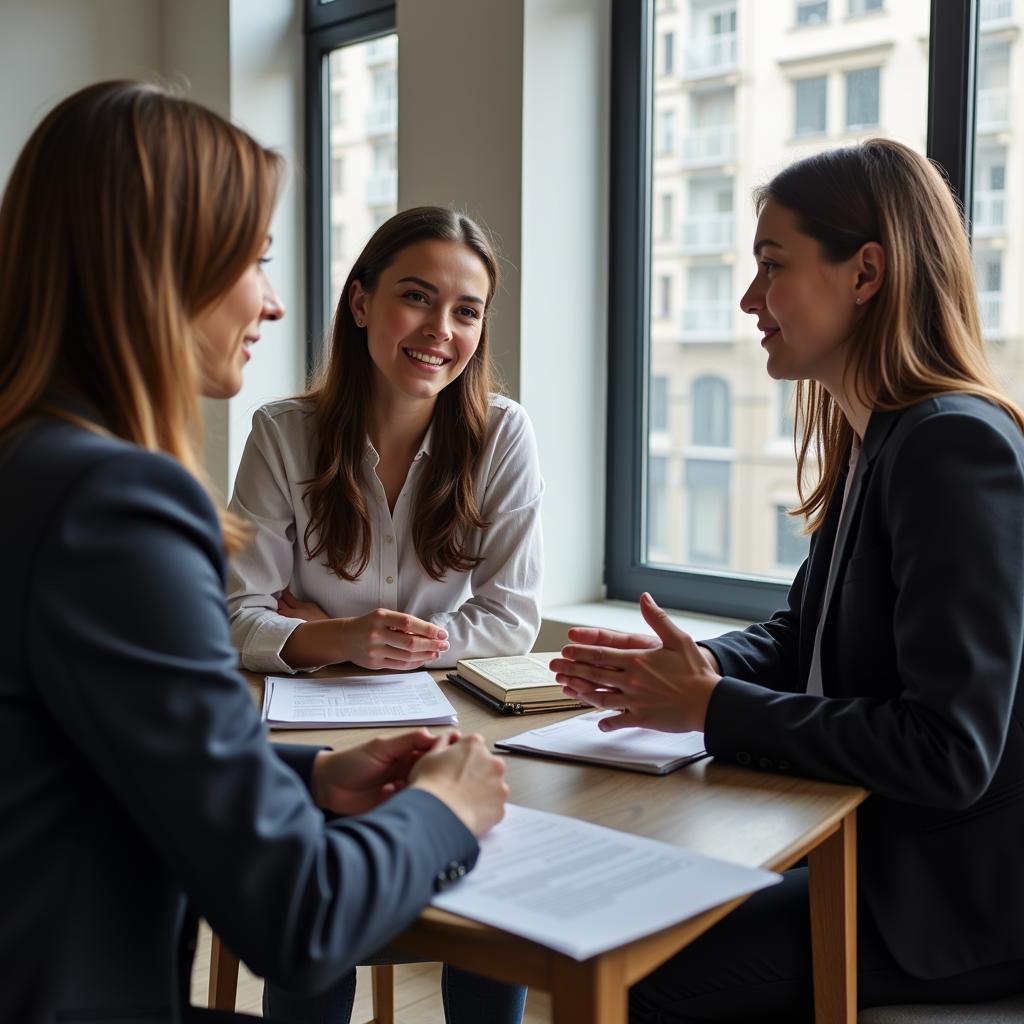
pixel 492 610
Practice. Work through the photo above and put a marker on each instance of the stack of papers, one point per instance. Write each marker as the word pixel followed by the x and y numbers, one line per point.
pixel 639 750
pixel 407 698
pixel 582 889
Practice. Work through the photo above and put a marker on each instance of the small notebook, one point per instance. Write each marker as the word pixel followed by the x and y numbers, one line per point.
pixel 638 750
pixel 407 698
pixel 523 679
pixel 512 707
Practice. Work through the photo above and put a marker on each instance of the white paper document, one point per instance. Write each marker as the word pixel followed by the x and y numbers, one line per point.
pixel 579 739
pixel 407 698
pixel 582 889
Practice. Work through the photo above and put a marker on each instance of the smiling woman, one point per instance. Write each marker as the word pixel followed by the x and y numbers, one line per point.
pixel 395 505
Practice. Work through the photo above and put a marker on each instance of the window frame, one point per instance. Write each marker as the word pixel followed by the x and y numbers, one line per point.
pixel 327 26
pixel 952 69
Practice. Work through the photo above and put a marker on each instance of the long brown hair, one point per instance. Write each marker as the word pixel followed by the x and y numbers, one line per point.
pixel 920 335
pixel 128 212
pixel 446 506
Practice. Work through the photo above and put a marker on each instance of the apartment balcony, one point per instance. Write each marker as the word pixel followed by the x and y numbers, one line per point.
pixel 381 51
pixel 994 13
pixel 989 213
pixel 712 55
pixel 708 147
pixel 382 119
pixel 708 232
pixel 990 306
pixel 382 189
pixel 993 110
pixel 707 321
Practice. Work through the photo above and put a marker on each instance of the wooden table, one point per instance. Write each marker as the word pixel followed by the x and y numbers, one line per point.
pixel 748 817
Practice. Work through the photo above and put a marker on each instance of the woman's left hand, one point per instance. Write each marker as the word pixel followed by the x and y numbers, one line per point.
pixel 666 687
pixel 288 604
pixel 357 780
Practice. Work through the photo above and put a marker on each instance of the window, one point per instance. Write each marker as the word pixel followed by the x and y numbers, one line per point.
pixel 711 413
pixel 707 497
pixel 862 90
pixel 811 12
pixel 668 46
pixel 352 117
pixel 790 546
pixel 988 272
pixel 664 299
pixel 811 100
pixel 858 8
pixel 659 405
pixel 666 220
pixel 737 117
pixel 989 216
pixel 666 131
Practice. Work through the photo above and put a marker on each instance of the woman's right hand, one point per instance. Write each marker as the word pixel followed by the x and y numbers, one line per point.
pixel 463 774
pixel 387 639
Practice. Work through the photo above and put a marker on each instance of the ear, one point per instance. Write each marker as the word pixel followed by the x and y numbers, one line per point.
pixel 358 303
pixel 869 264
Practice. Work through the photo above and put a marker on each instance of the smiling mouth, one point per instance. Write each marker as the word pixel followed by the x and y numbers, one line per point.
pixel 769 332
pixel 425 358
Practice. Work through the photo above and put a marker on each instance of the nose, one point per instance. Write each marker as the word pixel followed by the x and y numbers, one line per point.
pixel 273 307
pixel 438 326
pixel 752 300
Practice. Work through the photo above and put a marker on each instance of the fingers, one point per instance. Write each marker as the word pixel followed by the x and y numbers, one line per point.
pixel 596 697
pixel 594 637
pixel 605 661
pixel 396 747
pixel 668 632
pixel 623 720
pixel 401 641
pixel 404 623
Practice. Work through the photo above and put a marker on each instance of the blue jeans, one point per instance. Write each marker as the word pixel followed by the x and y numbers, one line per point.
pixel 468 999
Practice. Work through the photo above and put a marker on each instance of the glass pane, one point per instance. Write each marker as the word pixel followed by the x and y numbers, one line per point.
pixel 725 117
pixel 996 259
pixel 363 181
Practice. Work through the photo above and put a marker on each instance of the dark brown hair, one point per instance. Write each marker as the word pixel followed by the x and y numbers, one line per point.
pixel 920 334
pixel 446 506
pixel 128 212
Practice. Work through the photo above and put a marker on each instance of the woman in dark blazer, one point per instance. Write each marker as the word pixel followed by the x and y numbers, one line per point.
pixel 896 664
pixel 136 783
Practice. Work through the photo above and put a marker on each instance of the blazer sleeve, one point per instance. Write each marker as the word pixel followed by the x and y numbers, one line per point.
pixel 264 567
pixel 767 652
pixel 503 614
pixel 130 651
pixel 953 497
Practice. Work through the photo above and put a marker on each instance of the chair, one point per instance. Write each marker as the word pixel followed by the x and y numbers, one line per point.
pixel 224 983
pixel 1002 1011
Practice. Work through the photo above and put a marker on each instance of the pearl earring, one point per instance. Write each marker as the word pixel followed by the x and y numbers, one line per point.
pixel 858 300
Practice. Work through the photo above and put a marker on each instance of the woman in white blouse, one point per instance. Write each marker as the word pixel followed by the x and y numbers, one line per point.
pixel 396 505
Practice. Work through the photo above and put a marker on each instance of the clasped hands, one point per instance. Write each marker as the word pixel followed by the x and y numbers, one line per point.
pixel 661 682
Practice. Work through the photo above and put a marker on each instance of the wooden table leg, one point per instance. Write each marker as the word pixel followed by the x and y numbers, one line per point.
pixel 382 978
pixel 223 976
pixel 832 877
pixel 592 992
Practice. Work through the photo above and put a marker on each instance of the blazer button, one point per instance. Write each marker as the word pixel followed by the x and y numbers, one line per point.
pixel 765 763
pixel 743 758
pixel 390 579
pixel 783 766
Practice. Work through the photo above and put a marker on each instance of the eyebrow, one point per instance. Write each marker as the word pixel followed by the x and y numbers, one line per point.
pixel 433 288
pixel 758 246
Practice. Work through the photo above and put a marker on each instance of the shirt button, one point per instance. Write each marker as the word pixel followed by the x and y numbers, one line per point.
pixel 764 762
pixel 389 539
pixel 389 579
pixel 743 758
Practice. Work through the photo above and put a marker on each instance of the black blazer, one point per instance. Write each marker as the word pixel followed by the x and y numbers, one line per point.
pixel 921 666
pixel 134 770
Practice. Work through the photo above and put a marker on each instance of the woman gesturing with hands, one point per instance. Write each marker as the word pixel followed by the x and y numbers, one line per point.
pixel 661 682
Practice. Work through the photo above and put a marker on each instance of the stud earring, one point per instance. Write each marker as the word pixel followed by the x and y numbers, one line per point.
pixel 858 300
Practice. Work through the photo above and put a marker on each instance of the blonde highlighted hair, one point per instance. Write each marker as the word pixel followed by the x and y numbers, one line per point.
pixel 920 335
pixel 128 212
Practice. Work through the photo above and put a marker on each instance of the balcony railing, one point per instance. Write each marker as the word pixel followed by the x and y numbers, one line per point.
pixel 989 213
pixel 993 110
pixel 990 306
pixel 995 11
pixel 707 321
pixel 382 189
pixel 382 51
pixel 708 232
pixel 382 119
pixel 705 147
pixel 712 55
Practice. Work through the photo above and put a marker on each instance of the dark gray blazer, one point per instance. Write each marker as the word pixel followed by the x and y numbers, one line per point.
pixel 134 770
pixel 921 668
